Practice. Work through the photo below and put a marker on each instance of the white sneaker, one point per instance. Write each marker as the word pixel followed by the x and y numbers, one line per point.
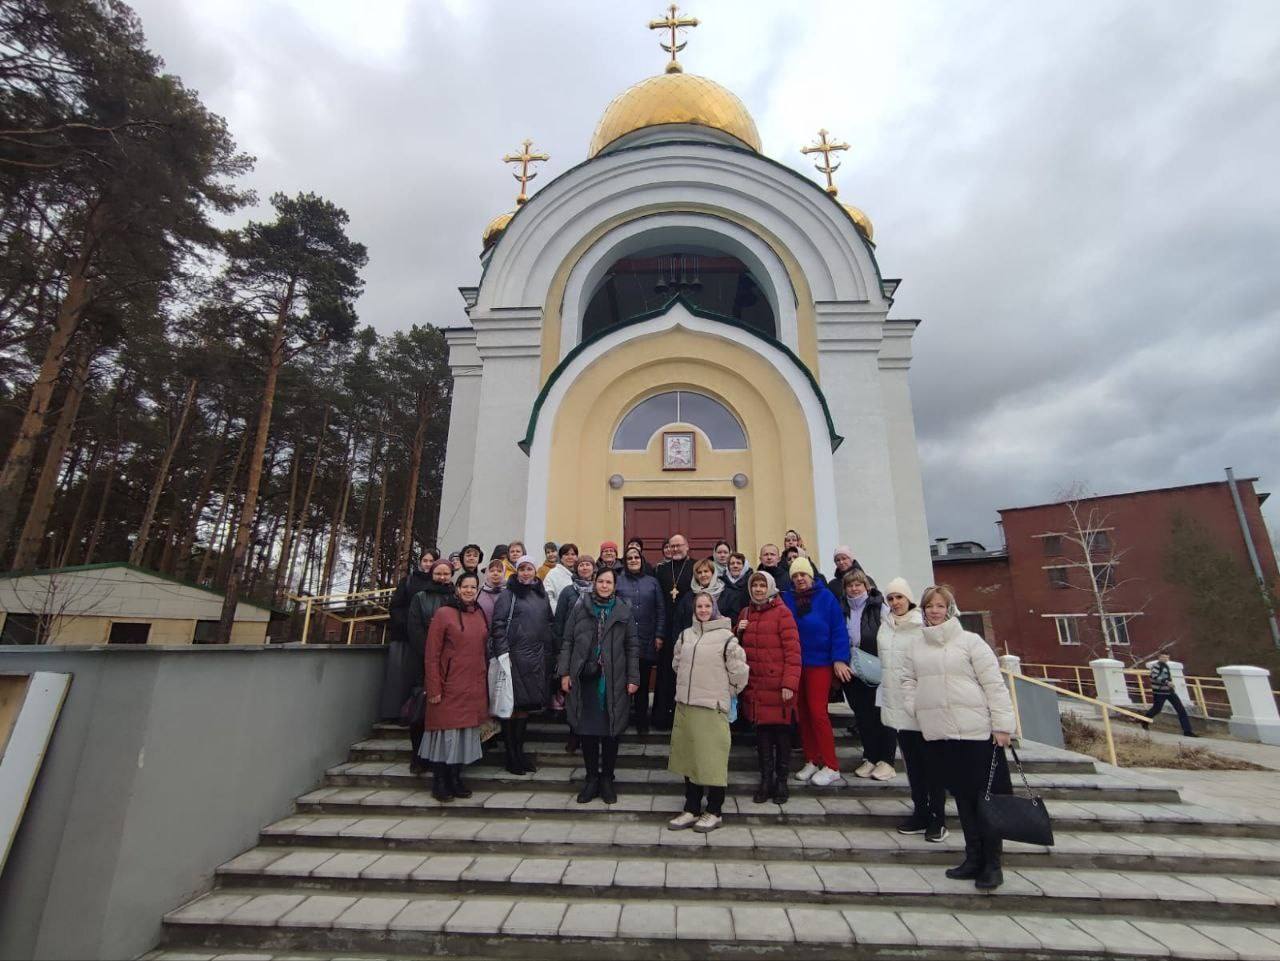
pixel 883 772
pixel 825 778
pixel 708 823
pixel 682 820
pixel 806 772
pixel 864 769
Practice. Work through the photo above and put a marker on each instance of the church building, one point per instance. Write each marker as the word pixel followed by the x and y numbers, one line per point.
pixel 681 333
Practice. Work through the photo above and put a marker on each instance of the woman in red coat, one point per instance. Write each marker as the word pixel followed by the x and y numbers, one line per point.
pixel 457 689
pixel 772 642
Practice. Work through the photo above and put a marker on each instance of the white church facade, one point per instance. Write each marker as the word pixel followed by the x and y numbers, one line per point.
pixel 681 333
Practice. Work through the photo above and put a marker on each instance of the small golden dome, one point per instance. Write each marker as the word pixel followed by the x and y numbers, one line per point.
pixel 675 98
pixel 496 226
pixel 860 220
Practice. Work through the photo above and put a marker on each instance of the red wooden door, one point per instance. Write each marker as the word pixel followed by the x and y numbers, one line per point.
pixel 703 520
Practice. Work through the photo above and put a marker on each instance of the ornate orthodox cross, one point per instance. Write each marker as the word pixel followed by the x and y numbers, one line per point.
pixel 673 23
pixel 825 147
pixel 524 158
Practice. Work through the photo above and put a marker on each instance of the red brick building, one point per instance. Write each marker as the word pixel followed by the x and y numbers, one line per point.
pixel 1035 596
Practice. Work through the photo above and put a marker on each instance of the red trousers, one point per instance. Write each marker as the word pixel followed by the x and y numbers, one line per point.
pixel 815 723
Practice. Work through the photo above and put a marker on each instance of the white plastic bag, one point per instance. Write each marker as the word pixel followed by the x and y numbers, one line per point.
pixel 502 697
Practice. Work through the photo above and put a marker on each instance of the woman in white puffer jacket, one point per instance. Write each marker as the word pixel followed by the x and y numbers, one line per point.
pixel 952 685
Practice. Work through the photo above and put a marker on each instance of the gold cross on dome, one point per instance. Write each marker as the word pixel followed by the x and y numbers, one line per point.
pixel 826 147
pixel 673 23
pixel 524 158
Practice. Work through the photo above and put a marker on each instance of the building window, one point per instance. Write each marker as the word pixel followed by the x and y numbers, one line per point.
pixel 1098 541
pixel 1053 545
pixel 679 407
pixel 129 632
pixel 1118 628
pixel 974 624
pixel 20 629
pixel 1106 574
pixel 1068 630
pixel 1058 577
pixel 206 632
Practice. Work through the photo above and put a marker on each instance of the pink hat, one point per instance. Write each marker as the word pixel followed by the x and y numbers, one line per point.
pixel 846 550
pixel 609 545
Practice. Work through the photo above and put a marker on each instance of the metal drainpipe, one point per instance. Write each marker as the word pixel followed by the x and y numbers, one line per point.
pixel 1253 554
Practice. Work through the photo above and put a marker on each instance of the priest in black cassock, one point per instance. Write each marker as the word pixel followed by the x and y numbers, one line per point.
pixel 674 577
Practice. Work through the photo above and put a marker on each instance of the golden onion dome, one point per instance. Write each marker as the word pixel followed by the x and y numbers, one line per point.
pixel 496 226
pixel 860 220
pixel 675 98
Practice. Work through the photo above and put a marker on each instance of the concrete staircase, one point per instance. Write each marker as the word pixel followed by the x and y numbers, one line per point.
pixel 370 864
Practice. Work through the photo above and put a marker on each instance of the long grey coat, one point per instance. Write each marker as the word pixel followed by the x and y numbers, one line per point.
pixel 521 627
pixel 619 655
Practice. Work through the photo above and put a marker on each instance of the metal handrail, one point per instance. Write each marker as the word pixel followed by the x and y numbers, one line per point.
pixel 1065 692
pixel 356 598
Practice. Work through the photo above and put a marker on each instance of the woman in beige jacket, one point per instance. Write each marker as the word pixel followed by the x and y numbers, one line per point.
pixel 951 683
pixel 711 670
pixel 899 629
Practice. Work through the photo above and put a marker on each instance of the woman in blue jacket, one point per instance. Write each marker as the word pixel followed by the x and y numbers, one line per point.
pixel 824 650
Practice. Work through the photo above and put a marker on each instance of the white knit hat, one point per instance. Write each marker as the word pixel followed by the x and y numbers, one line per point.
pixel 899 585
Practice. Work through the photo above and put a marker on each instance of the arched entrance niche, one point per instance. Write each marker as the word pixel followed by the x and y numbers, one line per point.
pixel 574 436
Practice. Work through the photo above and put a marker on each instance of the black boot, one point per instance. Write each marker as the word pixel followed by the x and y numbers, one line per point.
pixel 416 764
pixel 512 748
pixel 460 789
pixel 608 761
pixel 441 783
pixel 764 756
pixel 991 876
pixel 781 766
pixel 526 760
pixel 591 765
pixel 971 866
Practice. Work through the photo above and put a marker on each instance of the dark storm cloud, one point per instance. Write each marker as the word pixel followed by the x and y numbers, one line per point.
pixel 1081 198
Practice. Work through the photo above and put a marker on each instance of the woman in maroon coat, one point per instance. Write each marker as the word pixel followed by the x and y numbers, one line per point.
pixel 772 642
pixel 457 689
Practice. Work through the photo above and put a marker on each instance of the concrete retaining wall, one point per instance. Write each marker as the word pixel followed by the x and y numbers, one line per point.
pixel 165 763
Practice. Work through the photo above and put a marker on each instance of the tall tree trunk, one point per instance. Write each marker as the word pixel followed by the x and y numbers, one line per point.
pixel 375 557
pixel 33 531
pixel 162 476
pixel 17 464
pixel 356 582
pixel 112 468
pixel 167 541
pixel 203 492
pixel 288 523
pixel 411 498
pixel 284 568
pixel 77 519
pixel 224 509
pixel 339 513
pixel 249 508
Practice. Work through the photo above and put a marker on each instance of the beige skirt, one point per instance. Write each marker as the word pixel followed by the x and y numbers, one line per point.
pixel 700 745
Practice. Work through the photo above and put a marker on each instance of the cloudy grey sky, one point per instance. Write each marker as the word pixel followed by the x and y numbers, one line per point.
pixel 1081 197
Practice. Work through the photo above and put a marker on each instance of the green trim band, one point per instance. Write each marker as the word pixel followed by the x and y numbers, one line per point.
pixel 569 358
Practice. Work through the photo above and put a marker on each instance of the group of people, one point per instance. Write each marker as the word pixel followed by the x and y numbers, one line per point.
pixel 723 646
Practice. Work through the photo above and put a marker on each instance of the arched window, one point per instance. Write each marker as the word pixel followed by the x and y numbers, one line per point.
pixel 679 407
pixel 646 281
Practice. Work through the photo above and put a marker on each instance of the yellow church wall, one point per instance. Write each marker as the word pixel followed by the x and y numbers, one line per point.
pixel 552 321
pixel 581 505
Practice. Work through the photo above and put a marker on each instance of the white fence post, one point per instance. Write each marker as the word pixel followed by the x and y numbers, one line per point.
pixel 1108 679
pixel 1253 706
pixel 1011 663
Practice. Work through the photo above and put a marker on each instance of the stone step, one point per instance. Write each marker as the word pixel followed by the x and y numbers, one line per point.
pixel 829 810
pixel 643 755
pixel 621 877
pixel 274 922
pixel 1083 787
pixel 568 836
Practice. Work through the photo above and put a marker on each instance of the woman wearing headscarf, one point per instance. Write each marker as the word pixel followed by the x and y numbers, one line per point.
pixel 772 644
pixel 711 669
pixel 845 562
pixel 422 609
pixel 457 689
pixel 472 557
pixel 720 557
pixel 824 653
pixel 599 668
pixel 704 580
pixel 900 628
pixel 734 597
pixel 863 611
pixel 951 682
pixel 643 593
pixel 494 583
pixel 521 629
pixel 637 543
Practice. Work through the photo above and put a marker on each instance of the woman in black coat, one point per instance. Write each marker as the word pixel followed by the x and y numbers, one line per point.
pixel 643 594
pixel 400 668
pixel 521 628
pixel 422 609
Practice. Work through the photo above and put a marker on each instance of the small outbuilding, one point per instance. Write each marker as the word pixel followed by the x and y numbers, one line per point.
pixel 117 603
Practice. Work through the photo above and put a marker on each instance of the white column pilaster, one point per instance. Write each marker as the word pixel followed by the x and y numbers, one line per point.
pixel 455 489
pixel 1108 680
pixel 1253 706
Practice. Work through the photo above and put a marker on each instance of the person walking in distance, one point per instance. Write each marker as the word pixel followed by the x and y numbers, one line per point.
pixel 599 668
pixel 675 577
pixel 457 689
pixel 952 685
pixel 1162 691
pixel 772 644
pixel 901 627
pixel 711 669
pixel 824 652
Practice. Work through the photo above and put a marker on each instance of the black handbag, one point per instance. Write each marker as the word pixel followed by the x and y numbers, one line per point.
pixel 414 709
pixel 1012 817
